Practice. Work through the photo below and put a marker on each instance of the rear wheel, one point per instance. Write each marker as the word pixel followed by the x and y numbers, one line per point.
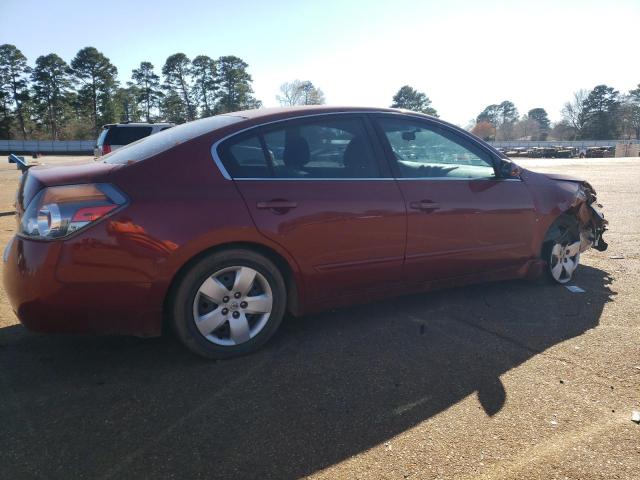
pixel 561 249
pixel 228 304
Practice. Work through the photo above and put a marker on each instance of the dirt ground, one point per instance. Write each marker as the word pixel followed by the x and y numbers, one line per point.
pixel 509 380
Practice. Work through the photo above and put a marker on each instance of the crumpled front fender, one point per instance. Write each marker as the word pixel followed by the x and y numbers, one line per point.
pixel 556 195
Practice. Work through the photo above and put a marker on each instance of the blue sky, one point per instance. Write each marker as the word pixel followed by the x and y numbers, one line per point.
pixel 463 54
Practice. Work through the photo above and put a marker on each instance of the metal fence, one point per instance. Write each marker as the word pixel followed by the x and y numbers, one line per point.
pixel 47 146
pixel 580 144
pixel 86 146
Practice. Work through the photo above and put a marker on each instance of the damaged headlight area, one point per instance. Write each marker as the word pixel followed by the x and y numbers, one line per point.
pixel 590 218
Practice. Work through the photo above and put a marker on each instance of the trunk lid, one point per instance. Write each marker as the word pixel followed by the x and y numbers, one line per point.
pixel 37 178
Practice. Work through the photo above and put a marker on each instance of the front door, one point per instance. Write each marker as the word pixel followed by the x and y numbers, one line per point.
pixel 462 218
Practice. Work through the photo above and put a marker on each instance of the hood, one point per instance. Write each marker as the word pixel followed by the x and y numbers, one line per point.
pixel 563 177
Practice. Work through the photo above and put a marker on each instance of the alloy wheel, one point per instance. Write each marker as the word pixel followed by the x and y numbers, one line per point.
pixel 564 261
pixel 233 305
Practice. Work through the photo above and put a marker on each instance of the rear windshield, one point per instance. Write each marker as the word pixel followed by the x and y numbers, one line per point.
pixel 166 139
pixel 125 135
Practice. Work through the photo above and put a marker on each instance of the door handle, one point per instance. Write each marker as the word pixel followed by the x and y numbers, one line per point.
pixel 425 205
pixel 278 206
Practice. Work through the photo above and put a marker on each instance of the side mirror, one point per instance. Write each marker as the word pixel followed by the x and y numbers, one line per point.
pixel 508 169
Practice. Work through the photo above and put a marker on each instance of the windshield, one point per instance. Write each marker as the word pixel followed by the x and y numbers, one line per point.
pixel 166 139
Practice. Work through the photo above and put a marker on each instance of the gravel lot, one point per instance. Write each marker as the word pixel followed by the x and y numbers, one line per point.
pixel 507 380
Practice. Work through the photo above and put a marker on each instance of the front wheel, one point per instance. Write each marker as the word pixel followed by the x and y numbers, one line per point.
pixel 229 304
pixel 563 261
pixel 562 250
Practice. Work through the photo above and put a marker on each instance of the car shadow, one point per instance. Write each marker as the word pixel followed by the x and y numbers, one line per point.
pixel 327 387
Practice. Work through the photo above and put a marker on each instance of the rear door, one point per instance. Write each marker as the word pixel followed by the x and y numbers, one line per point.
pixel 321 189
pixel 462 218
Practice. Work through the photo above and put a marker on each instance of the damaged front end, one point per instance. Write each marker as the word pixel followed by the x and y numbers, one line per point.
pixel 592 223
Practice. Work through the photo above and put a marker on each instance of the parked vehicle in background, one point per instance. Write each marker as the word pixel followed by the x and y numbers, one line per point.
pixel 556 151
pixel 600 152
pixel 117 135
pixel 541 152
pixel 563 152
pixel 221 225
pixel 517 152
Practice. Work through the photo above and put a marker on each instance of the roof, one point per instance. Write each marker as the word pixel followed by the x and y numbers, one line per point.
pixel 136 124
pixel 306 109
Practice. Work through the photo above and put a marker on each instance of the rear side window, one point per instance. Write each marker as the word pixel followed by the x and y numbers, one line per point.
pixel 248 159
pixel 316 149
pixel 126 135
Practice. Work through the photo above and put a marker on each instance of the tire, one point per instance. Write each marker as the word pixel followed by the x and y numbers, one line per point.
pixel 237 325
pixel 561 250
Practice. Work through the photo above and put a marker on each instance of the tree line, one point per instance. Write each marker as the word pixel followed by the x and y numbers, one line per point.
pixel 59 100
pixel 602 113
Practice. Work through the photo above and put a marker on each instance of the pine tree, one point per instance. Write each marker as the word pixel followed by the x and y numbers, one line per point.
pixel 235 86
pixel 14 73
pixel 97 76
pixel 177 82
pixel 205 87
pixel 410 99
pixel 148 84
pixel 51 85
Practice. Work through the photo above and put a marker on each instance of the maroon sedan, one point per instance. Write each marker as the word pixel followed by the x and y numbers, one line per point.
pixel 220 226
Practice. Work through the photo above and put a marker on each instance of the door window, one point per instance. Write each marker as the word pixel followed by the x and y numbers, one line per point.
pixel 424 152
pixel 246 159
pixel 317 149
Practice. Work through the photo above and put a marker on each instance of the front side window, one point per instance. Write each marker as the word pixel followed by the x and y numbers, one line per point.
pixel 424 152
pixel 310 149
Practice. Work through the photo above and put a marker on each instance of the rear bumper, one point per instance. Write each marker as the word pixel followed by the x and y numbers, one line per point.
pixel 46 301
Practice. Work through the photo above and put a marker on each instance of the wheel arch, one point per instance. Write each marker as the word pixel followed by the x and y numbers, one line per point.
pixel 290 276
pixel 568 216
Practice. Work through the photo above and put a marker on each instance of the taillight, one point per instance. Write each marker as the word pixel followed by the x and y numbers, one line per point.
pixel 56 212
pixel 106 148
pixel 90 214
